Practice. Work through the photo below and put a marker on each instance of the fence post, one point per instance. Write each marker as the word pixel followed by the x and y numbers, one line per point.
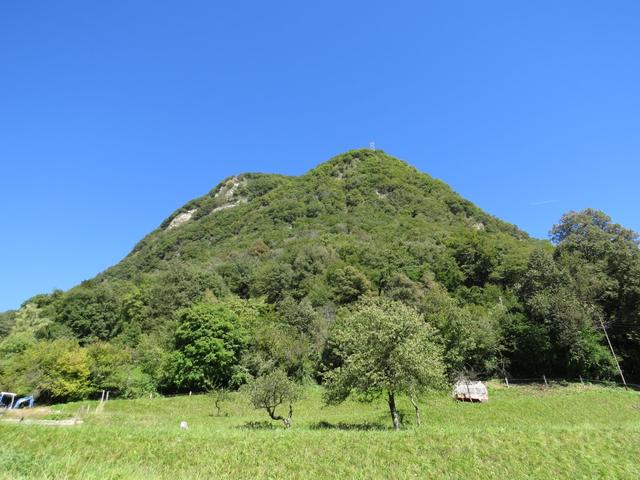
pixel 545 380
pixel 581 381
pixel 506 380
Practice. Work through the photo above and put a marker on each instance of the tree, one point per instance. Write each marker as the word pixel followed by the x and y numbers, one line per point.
pixel 603 260
pixel 277 346
pixel 584 230
pixel 7 320
pixel 384 346
pixel 559 335
pixel 271 390
pixel 219 396
pixel 208 342
pixel 273 280
pixel 91 311
pixel 476 256
pixel 348 284
pixel 52 371
pixel 181 287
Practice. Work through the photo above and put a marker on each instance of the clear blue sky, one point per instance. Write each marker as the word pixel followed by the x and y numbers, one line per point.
pixel 114 114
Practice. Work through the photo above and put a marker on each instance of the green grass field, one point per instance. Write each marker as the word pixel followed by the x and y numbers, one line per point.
pixel 523 432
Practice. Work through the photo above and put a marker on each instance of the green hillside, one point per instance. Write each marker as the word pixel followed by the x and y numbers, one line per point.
pixel 363 200
pixel 260 268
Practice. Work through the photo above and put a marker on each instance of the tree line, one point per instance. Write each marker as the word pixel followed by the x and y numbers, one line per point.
pixel 363 321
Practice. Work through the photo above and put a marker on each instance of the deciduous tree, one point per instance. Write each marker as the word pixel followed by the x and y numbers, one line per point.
pixel 384 347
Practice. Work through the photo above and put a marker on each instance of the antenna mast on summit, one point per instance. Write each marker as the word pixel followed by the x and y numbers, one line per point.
pixel 372 146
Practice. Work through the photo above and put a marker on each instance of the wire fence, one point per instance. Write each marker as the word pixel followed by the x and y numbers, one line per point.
pixel 549 381
pixel 542 381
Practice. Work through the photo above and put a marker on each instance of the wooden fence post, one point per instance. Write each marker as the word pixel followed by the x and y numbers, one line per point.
pixel 545 380
pixel 506 380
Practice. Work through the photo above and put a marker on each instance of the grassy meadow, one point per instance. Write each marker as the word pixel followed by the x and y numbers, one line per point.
pixel 523 432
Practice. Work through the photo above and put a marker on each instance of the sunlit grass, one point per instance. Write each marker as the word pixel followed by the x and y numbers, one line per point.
pixel 523 432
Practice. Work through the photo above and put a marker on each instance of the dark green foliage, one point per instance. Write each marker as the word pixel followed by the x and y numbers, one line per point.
pixel 181 287
pixel 92 311
pixel 273 280
pixel 559 333
pixel 472 335
pixel 208 343
pixel 347 284
pixel 237 273
pixel 281 254
pixel 7 320
pixel 603 261
pixel 475 255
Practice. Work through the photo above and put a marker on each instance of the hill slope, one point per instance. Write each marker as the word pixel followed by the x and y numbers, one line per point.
pixel 362 198
pixel 284 255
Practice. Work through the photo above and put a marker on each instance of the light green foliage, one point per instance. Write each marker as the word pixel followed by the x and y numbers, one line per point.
pixel 109 365
pixel 113 368
pixel 152 358
pixel 277 346
pixel 285 252
pixel 57 370
pixel 252 313
pixel 383 346
pixel 7 319
pixel 272 390
pixel 29 320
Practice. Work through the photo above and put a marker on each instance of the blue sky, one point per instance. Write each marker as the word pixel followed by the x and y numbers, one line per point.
pixel 114 114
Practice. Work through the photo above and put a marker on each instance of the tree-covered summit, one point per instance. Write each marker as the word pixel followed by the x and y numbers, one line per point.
pixel 252 278
pixel 360 195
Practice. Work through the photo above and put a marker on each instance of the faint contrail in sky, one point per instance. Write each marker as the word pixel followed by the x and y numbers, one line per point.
pixel 544 202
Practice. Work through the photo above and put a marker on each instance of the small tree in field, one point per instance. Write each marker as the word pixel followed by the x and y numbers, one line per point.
pixel 385 347
pixel 219 396
pixel 271 390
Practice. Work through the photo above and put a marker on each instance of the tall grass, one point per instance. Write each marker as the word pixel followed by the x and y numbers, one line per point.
pixel 523 432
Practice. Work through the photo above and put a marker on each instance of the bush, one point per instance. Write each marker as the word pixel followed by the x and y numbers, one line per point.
pixel 208 342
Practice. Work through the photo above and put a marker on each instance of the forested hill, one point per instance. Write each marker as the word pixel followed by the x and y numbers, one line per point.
pixel 251 276
pixel 359 205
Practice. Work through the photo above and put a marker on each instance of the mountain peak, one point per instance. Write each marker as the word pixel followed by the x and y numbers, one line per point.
pixel 353 159
pixel 360 197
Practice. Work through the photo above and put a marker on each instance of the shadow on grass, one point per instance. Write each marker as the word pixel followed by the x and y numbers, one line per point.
pixel 347 426
pixel 264 425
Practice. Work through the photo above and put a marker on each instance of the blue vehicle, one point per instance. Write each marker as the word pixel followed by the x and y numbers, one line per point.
pixel 24 402
pixel 8 401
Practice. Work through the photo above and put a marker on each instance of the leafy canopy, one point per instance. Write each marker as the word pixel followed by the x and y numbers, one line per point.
pixel 383 346
pixel 208 342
